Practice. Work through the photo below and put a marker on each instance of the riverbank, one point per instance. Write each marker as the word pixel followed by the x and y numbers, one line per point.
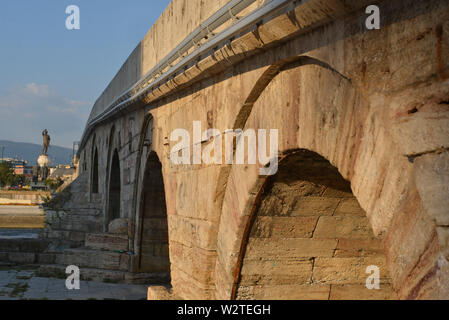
pixel 21 217
pixel 22 197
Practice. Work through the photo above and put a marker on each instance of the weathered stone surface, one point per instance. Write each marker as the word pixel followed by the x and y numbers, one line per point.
pixel 346 270
pixel 285 292
pixel 94 259
pixel 343 227
pixel 349 291
pixel 22 257
pixel 118 226
pixel 283 227
pixel 156 293
pixel 291 248
pixel 46 258
pixel 107 242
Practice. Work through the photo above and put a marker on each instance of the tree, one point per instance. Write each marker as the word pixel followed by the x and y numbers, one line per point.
pixel 6 174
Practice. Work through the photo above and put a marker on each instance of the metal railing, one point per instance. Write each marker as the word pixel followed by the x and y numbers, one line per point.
pixel 157 76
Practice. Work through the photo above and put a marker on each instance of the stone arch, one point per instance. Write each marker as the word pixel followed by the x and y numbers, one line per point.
pixel 259 87
pixel 145 148
pixel 115 188
pixel 237 201
pixel 150 223
pixel 153 239
pixel 320 110
pixel 113 176
pixel 95 177
pixel 94 183
pixel 308 238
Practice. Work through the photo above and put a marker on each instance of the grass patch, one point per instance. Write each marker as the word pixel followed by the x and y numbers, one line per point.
pixel 107 280
pixel 56 274
pixel 18 289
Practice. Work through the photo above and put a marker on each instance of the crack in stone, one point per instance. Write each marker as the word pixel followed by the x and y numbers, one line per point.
pixel 412 157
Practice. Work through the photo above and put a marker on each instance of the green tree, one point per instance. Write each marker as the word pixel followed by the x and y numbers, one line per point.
pixel 6 174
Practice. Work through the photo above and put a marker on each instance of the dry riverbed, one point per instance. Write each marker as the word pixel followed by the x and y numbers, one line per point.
pixel 21 217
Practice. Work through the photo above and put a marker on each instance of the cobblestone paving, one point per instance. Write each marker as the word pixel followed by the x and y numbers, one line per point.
pixel 19 284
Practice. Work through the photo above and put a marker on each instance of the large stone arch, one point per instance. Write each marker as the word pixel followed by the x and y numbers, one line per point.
pixel 323 111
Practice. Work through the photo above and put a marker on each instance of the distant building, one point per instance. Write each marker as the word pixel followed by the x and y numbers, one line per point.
pixel 62 172
pixel 24 170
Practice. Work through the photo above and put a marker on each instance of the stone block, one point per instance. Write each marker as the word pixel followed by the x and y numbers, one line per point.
pixel 118 226
pixel 346 270
pixel 290 248
pixel 284 227
pixel 349 207
pixel 284 292
pixel 157 293
pixel 343 227
pixel 361 292
pixel 22 257
pixel 315 206
pixel 358 248
pixel 107 242
pixel 46 258
pixel 275 272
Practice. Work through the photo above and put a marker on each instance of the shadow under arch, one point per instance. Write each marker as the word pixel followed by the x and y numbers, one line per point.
pixel 115 188
pixel 151 238
pixel 94 183
pixel 154 237
pixel 113 176
pixel 308 238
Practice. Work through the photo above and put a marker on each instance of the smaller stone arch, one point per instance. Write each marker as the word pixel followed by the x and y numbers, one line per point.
pixel 154 237
pixel 115 188
pixel 114 177
pixel 151 242
pixel 94 183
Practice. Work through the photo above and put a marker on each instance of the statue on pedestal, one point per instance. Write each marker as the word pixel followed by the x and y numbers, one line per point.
pixel 44 160
pixel 46 143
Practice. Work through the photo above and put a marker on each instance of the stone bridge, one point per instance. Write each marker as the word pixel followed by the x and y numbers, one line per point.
pixel 363 136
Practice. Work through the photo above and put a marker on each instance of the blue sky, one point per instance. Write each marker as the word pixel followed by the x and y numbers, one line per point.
pixel 50 76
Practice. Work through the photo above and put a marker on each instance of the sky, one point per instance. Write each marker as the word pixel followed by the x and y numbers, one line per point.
pixel 50 76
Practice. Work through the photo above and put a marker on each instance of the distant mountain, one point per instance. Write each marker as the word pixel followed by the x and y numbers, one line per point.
pixel 30 152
